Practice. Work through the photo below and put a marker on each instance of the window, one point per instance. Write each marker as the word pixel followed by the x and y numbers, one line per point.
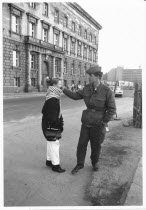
pixel 56 39
pixel 73 47
pixel 94 56
pixel 56 16
pixel 85 68
pixel 85 52
pixel 65 44
pixel 45 35
pixel 46 9
pixel 73 26
pixel 57 66
pixel 33 82
pixel 72 69
pixel 79 49
pixel 90 54
pixel 32 61
pixel 16 58
pixel 32 29
pixel 32 4
pixel 90 37
pixel 85 34
pixel 95 39
pixel 65 21
pixel 79 32
pixel 17 81
pixel 65 67
pixel 80 70
pixel 15 24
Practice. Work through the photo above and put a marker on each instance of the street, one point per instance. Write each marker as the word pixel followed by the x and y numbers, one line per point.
pixel 20 108
pixel 27 181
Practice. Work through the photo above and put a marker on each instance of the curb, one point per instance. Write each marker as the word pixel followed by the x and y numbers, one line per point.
pixel 25 95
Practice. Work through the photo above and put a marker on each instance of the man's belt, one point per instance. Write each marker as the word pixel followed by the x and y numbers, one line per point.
pixel 95 110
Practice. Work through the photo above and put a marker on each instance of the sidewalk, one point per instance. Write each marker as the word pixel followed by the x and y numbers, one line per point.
pixel 22 94
pixel 119 180
pixel 134 197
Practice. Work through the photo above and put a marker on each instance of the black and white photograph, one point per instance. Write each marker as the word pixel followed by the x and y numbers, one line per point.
pixel 72 107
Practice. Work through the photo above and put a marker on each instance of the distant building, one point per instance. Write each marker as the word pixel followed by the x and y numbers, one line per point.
pixel 121 74
pixel 57 39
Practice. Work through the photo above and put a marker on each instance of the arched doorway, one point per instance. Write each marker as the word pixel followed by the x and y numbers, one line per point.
pixel 45 73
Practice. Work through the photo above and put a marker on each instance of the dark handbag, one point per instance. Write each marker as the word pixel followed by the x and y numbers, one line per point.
pixel 53 133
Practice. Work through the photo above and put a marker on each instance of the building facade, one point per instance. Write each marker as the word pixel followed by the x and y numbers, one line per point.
pixel 57 39
pixel 121 74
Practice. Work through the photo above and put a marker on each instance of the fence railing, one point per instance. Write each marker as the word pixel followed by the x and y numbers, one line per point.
pixel 137 106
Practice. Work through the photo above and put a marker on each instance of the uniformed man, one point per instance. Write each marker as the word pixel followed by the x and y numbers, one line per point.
pixel 101 107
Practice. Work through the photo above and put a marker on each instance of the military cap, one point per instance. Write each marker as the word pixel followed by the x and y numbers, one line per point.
pixel 96 70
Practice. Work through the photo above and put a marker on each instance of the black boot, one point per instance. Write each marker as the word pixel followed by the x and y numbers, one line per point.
pixel 95 166
pixel 48 163
pixel 77 168
pixel 58 168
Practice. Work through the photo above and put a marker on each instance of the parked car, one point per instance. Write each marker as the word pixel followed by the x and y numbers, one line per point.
pixel 119 91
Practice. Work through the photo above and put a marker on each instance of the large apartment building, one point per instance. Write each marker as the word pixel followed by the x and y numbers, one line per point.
pixel 121 74
pixel 58 39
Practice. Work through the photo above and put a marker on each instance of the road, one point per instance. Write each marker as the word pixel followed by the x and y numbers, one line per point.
pixel 19 108
pixel 27 181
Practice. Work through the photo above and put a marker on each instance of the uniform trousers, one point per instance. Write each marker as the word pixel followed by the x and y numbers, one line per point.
pixel 96 137
pixel 53 152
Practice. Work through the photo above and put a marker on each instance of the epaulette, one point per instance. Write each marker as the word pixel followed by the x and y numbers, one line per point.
pixel 106 87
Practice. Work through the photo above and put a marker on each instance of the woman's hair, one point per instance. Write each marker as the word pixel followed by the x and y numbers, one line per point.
pixel 53 81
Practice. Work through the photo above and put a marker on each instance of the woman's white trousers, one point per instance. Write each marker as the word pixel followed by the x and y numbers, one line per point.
pixel 53 152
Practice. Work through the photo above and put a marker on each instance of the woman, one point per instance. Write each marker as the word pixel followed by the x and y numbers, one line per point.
pixel 52 122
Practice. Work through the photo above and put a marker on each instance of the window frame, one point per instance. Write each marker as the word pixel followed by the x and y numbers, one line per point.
pixel 95 40
pixel 32 5
pixel 80 69
pixel 33 82
pixel 94 56
pixel 65 21
pixel 17 24
pixel 73 47
pixel 80 31
pixel 85 34
pixel 73 26
pixel 16 81
pixel 65 43
pixel 17 58
pixel 90 37
pixel 56 41
pixel 33 61
pixel 46 9
pixel 47 31
pixel 32 31
pixel 73 68
pixel 56 18
pixel 65 67
pixel 79 49
pixel 57 66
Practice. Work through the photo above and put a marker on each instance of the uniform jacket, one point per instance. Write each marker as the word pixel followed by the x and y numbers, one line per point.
pixel 51 118
pixel 100 103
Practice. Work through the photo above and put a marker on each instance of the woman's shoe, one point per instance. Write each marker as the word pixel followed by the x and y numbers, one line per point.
pixel 58 168
pixel 48 163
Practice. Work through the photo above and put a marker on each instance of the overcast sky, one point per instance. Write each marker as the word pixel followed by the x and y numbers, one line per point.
pixel 121 40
